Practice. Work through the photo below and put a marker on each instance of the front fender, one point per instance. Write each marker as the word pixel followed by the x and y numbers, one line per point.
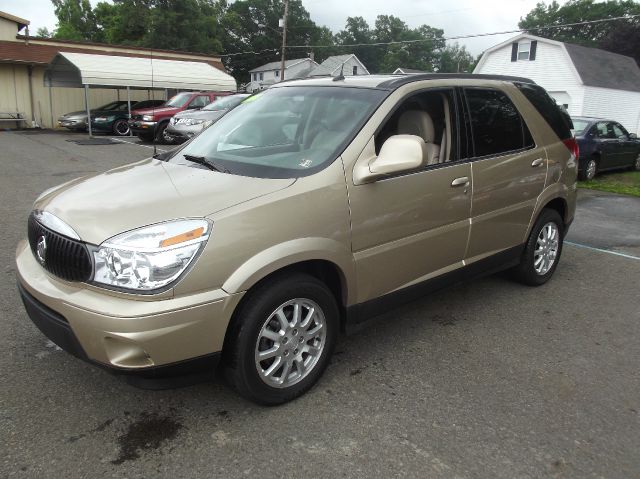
pixel 288 253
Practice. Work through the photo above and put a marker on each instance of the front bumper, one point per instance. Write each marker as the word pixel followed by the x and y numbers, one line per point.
pixel 72 124
pixel 144 127
pixel 123 332
pixel 184 132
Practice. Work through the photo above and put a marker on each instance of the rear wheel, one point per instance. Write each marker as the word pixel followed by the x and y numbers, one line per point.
pixel 282 339
pixel 120 127
pixel 590 170
pixel 542 250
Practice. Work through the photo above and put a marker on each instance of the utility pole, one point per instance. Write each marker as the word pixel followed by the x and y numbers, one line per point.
pixel 284 37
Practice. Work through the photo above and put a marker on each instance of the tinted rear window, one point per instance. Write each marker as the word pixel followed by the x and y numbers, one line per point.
pixel 558 119
pixel 496 123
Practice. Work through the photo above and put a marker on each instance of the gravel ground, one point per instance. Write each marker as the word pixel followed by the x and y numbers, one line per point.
pixel 489 379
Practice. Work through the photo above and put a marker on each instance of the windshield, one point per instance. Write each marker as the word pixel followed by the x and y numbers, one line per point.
pixel 285 132
pixel 114 105
pixel 579 126
pixel 225 103
pixel 179 100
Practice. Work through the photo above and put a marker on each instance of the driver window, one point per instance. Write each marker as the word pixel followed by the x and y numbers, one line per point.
pixel 429 115
pixel 619 133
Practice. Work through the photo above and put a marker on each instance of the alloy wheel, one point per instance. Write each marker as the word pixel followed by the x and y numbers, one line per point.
pixel 290 343
pixel 121 128
pixel 546 249
pixel 591 169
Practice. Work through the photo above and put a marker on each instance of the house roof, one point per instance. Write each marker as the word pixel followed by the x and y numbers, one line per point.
pixel 598 68
pixel 604 69
pixel 36 53
pixel 331 64
pixel 276 65
pixel 20 21
pixel 407 70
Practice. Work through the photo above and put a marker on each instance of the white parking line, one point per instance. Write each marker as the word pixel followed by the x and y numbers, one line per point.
pixel 137 144
pixel 630 256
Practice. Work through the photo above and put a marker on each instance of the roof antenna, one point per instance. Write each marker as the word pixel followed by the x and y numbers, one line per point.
pixel 341 76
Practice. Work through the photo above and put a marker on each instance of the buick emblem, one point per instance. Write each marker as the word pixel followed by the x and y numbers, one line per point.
pixel 41 249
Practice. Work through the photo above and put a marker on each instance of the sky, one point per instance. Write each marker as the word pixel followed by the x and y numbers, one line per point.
pixel 460 17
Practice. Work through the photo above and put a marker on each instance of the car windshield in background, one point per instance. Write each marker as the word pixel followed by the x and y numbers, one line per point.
pixel 285 132
pixel 225 103
pixel 179 100
pixel 579 126
pixel 114 105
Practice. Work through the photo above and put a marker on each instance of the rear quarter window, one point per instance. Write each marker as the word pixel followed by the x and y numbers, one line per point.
pixel 558 119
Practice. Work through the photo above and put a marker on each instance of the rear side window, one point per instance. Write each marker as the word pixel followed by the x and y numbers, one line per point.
pixel 496 123
pixel 558 119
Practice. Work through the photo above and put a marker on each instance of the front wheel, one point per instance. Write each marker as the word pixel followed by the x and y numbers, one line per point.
pixel 636 164
pixel 281 339
pixel 121 128
pixel 542 250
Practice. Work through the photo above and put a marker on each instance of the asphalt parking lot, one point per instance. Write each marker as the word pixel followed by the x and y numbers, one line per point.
pixel 490 379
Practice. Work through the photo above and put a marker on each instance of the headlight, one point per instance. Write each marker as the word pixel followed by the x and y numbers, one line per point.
pixel 149 258
pixel 147 118
pixel 191 121
pixel 207 124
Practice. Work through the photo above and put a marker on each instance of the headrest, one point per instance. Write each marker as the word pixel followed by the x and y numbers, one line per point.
pixel 417 122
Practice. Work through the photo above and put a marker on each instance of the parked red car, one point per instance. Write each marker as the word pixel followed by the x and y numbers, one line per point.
pixel 150 122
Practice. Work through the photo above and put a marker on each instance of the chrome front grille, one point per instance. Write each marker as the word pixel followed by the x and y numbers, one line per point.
pixel 64 257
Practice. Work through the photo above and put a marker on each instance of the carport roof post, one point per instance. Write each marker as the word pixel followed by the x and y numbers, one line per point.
pixel 74 70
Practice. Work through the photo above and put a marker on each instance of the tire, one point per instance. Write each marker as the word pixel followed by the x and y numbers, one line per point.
pixel 636 164
pixel 121 128
pixel 590 170
pixel 534 269
pixel 257 380
pixel 160 138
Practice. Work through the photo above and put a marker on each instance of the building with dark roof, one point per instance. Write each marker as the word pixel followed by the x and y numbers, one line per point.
pixel 23 60
pixel 586 81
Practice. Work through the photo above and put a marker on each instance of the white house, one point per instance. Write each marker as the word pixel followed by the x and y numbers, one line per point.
pixel 349 65
pixel 406 71
pixel 587 81
pixel 266 75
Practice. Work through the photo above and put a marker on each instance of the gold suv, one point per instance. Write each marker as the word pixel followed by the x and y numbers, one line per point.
pixel 313 206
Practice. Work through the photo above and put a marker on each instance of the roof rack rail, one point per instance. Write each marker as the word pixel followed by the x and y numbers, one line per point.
pixel 405 79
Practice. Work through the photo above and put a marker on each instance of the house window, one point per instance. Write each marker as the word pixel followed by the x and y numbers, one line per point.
pixel 524 48
pixel 277 73
pixel 261 76
pixel 355 69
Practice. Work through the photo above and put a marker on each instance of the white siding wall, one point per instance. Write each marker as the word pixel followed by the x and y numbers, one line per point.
pixel 348 68
pixel 621 106
pixel 551 69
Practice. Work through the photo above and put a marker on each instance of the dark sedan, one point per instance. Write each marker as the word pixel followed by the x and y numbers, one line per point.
pixel 116 121
pixel 604 145
pixel 77 120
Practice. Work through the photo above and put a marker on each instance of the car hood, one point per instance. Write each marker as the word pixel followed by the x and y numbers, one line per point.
pixel 201 114
pixel 150 191
pixel 157 110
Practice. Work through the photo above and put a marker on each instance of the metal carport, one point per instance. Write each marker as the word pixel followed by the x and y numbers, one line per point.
pixel 82 70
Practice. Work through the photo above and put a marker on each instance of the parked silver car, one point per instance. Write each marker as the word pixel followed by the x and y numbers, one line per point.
pixel 188 123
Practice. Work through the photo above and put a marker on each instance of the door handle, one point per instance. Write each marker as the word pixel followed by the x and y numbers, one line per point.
pixel 537 162
pixel 462 181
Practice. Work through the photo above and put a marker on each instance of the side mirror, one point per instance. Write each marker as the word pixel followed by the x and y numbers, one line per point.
pixel 633 136
pixel 399 153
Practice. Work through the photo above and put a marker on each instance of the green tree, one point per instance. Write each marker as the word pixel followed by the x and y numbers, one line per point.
pixel 543 18
pixel 624 40
pixel 43 32
pixel 76 20
pixel 456 59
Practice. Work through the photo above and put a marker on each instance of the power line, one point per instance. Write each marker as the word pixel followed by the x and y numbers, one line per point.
pixel 458 37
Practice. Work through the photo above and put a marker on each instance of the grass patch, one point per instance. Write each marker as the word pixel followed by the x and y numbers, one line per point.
pixel 627 183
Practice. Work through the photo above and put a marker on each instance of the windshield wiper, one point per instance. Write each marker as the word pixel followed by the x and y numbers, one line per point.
pixel 201 160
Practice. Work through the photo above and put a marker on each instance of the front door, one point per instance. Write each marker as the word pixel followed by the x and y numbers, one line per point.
pixel 509 172
pixel 411 227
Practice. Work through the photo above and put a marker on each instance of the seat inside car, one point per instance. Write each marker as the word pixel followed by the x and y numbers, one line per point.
pixel 419 123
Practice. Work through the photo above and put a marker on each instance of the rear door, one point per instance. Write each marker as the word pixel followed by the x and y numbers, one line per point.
pixel 508 170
